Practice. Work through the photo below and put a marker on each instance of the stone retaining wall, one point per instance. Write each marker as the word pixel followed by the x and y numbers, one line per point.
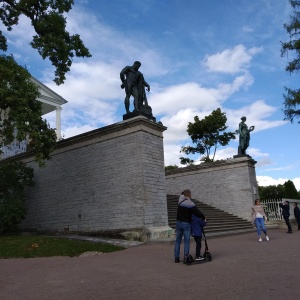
pixel 109 180
pixel 229 185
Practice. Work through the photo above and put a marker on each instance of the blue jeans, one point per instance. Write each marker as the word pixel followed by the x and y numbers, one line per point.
pixel 260 222
pixel 182 229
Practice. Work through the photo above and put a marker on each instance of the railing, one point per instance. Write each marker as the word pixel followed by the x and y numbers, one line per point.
pixel 272 209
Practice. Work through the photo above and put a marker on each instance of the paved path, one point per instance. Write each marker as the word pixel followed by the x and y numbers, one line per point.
pixel 242 268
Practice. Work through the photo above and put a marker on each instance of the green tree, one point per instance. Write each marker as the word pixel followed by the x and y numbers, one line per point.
pixel 20 111
pixel 206 134
pixel 13 179
pixel 170 168
pixel 272 192
pixel 51 39
pixel 292 96
pixel 290 190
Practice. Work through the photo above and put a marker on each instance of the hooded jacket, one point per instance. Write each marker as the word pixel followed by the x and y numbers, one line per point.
pixel 186 208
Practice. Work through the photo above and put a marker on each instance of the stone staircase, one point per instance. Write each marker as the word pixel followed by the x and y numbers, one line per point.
pixel 219 222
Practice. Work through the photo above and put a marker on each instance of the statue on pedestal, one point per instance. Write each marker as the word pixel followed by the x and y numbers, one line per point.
pixel 134 84
pixel 244 138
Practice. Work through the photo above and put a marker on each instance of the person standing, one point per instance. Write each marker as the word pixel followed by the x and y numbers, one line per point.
pixel 185 209
pixel 259 217
pixel 286 214
pixel 297 214
pixel 196 231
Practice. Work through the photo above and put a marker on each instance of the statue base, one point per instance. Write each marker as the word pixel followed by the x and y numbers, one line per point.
pixel 241 154
pixel 136 113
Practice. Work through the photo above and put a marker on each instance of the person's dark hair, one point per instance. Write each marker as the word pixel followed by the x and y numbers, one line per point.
pixel 256 201
pixel 296 204
pixel 187 193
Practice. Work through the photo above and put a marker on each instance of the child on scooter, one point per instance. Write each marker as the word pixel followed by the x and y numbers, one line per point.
pixel 196 232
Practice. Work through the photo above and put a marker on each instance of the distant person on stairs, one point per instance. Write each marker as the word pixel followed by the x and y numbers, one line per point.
pixel 259 217
pixel 185 209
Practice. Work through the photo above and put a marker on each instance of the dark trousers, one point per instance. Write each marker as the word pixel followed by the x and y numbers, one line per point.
pixel 288 224
pixel 198 245
pixel 298 222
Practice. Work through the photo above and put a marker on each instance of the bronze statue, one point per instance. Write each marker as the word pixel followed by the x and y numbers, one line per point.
pixel 134 83
pixel 244 138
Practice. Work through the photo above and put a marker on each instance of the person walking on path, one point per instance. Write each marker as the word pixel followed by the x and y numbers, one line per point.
pixel 185 209
pixel 297 214
pixel 286 214
pixel 259 217
pixel 197 230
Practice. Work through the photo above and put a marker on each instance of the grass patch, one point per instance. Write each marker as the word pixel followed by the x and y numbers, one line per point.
pixel 14 246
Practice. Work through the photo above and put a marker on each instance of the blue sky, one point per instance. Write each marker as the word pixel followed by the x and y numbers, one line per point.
pixel 197 55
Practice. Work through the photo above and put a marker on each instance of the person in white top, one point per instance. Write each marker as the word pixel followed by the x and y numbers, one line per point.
pixel 259 218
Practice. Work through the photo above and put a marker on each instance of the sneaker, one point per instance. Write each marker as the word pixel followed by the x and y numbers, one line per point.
pixel 260 240
pixel 188 260
pixel 177 260
pixel 199 258
pixel 267 238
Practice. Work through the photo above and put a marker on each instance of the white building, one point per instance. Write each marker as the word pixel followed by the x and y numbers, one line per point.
pixel 50 102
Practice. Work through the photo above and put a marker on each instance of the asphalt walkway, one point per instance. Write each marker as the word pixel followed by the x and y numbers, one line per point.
pixel 242 268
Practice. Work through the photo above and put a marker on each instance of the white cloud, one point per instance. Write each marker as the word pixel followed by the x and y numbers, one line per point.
pixel 194 96
pixel 247 29
pixel 73 131
pixel 256 114
pixel 231 61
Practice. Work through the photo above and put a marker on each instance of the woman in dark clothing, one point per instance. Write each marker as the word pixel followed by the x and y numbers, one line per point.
pixel 286 214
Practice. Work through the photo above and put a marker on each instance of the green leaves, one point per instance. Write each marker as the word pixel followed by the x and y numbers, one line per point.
pixel 21 112
pixel 51 40
pixel 292 97
pixel 206 134
pixel 14 176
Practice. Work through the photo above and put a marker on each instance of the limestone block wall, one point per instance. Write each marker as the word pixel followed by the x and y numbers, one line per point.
pixel 229 185
pixel 108 179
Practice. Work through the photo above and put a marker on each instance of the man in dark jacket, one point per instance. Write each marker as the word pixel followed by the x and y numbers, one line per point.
pixel 185 209
pixel 286 214
pixel 297 214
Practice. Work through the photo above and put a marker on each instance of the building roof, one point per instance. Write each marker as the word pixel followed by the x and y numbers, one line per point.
pixel 49 98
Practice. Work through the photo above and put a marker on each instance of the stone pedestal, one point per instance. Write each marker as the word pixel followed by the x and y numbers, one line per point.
pixel 138 113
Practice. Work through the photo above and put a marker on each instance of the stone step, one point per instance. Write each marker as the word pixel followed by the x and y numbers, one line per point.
pixel 219 223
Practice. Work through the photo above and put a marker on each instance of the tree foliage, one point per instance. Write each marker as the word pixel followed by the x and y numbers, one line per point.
pixel 20 112
pixel 171 167
pixel 290 190
pixel 206 134
pixel 13 179
pixel 51 39
pixel 286 190
pixel 292 96
pixel 272 191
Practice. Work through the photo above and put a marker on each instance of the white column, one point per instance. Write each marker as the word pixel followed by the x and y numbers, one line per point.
pixel 58 122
